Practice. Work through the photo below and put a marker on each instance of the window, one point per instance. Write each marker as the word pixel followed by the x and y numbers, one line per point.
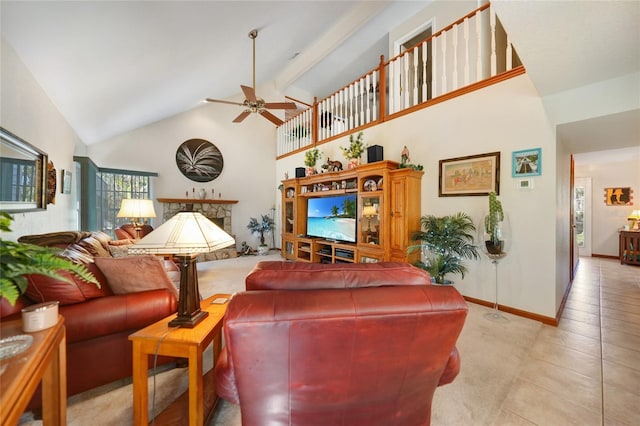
pixel 102 191
pixel 111 188
pixel 18 181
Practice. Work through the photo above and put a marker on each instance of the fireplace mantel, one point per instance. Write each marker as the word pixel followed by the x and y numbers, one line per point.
pixel 216 210
pixel 196 201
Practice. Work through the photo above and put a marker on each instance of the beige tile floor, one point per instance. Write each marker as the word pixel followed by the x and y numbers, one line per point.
pixel 586 371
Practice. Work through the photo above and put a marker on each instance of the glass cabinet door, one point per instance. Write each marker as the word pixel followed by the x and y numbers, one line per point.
pixel 369 221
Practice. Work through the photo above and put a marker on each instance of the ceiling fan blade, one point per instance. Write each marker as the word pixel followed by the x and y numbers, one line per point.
pixel 280 105
pixel 223 102
pixel 249 93
pixel 242 116
pixel 272 118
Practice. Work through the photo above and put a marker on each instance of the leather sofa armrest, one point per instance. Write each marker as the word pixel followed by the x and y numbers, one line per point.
pixel 113 314
pixel 452 368
pixel 225 378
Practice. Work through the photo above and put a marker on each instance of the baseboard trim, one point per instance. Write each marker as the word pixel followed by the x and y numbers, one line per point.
pixel 605 256
pixel 525 314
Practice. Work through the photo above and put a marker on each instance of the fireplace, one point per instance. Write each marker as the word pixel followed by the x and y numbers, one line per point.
pixel 218 211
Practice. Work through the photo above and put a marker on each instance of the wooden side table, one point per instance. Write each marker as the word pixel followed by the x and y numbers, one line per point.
pixel 45 360
pixel 629 250
pixel 179 342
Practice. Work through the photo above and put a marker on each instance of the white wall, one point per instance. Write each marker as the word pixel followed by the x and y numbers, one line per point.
pixel 505 117
pixel 27 111
pixel 248 150
pixel 607 220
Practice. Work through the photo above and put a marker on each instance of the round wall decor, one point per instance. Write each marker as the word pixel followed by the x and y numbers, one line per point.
pixel 199 160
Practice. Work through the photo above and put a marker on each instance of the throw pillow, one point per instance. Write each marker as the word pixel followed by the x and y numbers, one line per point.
pixel 133 274
pixel 46 289
pixel 120 248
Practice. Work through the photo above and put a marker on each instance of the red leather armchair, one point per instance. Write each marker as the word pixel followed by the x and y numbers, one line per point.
pixel 370 350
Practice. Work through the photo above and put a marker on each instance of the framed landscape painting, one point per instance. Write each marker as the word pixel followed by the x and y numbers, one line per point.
pixel 527 163
pixel 471 175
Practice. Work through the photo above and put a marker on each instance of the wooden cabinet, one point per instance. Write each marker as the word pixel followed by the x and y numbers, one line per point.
pixel 388 212
pixel 629 250
pixel 405 208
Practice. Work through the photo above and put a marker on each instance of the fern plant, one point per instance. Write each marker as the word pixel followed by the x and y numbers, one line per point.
pixel 18 260
pixel 446 241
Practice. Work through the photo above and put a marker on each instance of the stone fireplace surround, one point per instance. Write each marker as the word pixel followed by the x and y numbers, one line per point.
pixel 218 211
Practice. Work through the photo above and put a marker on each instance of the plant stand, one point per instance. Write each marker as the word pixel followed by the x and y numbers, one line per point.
pixel 495 315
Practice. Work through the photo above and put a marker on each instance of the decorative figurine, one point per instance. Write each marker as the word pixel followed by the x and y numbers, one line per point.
pixel 404 155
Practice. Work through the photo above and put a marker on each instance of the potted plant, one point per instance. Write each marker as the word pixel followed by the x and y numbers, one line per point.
pixel 261 227
pixel 355 150
pixel 493 240
pixel 311 157
pixel 445 241
pixel 18 260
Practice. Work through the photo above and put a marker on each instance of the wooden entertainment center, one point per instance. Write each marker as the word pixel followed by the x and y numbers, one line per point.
pixel 388 212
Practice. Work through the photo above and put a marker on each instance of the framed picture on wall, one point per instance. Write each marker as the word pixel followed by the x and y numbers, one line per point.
pixel 471 175
pixel 622 196
pixel 65 188
pixel 527 162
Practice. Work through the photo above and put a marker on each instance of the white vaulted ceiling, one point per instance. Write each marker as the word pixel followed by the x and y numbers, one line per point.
pixel 112 66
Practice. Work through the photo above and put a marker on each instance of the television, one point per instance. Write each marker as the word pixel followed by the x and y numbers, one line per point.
pixel 332 217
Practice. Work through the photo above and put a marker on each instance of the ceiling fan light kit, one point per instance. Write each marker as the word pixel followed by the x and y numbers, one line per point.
pixel 252 103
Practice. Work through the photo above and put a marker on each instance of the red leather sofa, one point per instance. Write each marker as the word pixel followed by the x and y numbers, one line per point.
pixel 98 322
pixel 357 344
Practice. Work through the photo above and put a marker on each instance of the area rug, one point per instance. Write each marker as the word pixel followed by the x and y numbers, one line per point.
pixel 492 355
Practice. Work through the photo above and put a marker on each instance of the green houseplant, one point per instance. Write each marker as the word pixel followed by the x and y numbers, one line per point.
pixel 445 241
pixel 261 227
pixel 493 241
pixel 311 157
pixel 355 149
pixel 18 260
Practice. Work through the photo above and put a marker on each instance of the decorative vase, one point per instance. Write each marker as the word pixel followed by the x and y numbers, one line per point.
pixel 354 162
pixel 202 194
pixel 263 250
pixel 311 171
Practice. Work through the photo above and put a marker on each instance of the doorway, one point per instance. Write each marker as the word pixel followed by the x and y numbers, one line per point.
pixel 582 211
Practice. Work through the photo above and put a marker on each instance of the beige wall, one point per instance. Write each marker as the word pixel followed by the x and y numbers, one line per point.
pixel 505 117
pixel 248 150
pixel 606 221
pixel 27 111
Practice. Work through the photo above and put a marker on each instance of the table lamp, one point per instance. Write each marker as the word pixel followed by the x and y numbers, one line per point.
pixel 634 217
pixel 135 210
pixel 185 235
pixel 369 211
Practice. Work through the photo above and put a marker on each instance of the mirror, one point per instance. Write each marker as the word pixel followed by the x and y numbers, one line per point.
pixel 23 175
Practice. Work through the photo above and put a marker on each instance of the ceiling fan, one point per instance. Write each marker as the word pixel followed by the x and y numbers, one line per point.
pixel 252 103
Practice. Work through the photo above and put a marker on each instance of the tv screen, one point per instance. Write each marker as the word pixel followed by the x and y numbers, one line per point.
pixel 332 217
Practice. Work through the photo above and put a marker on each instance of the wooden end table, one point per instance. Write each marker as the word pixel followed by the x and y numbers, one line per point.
pixel 45 360
pixel 178 342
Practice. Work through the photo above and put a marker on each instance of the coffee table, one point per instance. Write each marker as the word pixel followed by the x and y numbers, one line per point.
pixel 178 342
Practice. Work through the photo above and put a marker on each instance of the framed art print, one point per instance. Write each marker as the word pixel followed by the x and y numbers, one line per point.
pixel 527 163
pixel 471 175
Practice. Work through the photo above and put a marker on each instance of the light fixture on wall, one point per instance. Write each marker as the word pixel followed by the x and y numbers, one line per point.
pixel 136 210
pixel 634 217
pixel 185 236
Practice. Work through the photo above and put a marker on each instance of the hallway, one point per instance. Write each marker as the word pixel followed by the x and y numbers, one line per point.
pixel 586 371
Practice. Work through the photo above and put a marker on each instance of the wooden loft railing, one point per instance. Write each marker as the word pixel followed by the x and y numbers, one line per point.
pixel 471 53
